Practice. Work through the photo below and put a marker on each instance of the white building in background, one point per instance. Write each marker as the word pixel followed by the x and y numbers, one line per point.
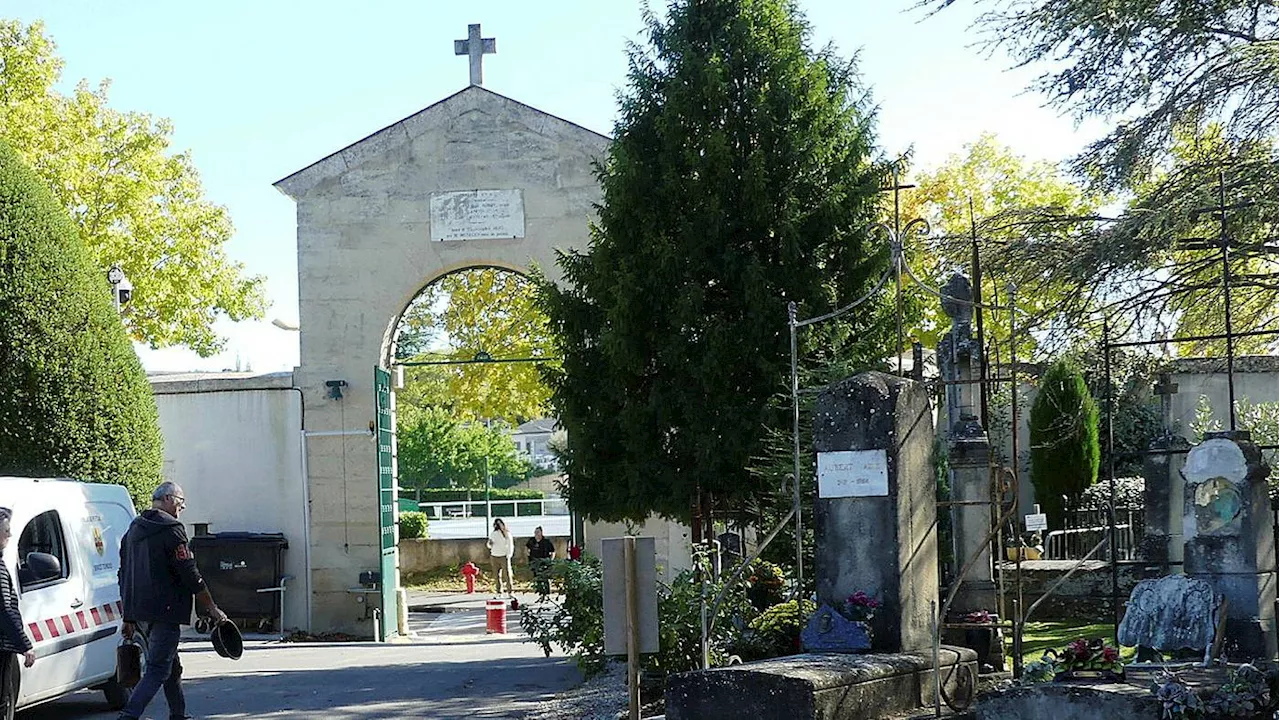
pixel 532 442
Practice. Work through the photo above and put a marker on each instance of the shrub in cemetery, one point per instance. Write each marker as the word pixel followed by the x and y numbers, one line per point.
pixel 76 401
pixel 1064 440
pixel 575 622
pixel 742 177
pixel 776 631
pixel 413 524
pixel 680 620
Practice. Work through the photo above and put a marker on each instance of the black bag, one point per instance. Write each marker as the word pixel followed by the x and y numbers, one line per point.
pixel 128 663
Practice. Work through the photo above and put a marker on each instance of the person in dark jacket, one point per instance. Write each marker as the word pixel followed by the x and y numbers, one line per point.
pixel 158 583
pixel 13 636
pixel 541 552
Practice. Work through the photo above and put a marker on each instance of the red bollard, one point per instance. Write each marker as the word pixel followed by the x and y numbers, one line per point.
pixel 469 571
pixel 495 616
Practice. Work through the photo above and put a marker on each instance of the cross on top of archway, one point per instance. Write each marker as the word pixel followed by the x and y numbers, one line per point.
pixel 475 48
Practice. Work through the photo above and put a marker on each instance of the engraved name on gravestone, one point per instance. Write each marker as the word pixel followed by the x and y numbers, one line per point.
pixel 477 215
pixel 853 473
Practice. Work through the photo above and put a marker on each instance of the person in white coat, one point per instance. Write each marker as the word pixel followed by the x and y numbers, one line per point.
pixel 501 547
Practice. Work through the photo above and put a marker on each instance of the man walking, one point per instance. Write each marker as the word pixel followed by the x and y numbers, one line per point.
pixel 158 581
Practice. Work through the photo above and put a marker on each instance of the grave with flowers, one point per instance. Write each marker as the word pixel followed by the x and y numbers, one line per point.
pixel 869 650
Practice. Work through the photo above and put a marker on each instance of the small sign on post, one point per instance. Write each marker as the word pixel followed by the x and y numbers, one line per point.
pixel 1037 521
pixel 630 589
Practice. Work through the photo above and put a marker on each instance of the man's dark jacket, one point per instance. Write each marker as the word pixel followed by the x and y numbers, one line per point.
pixel 13 638
pixel 158 575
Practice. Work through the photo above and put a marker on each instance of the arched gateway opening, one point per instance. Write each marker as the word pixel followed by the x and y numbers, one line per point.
pixel 476 180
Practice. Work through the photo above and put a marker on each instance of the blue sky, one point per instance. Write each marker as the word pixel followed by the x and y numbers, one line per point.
pixel 257 90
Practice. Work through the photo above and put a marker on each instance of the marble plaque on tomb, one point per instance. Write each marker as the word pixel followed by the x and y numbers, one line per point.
pixel 853 473
pixel 477 215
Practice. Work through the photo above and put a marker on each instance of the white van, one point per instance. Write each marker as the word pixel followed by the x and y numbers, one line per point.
pixel 63 555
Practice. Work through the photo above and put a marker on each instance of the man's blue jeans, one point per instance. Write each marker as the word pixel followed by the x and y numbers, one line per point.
pixel 163 669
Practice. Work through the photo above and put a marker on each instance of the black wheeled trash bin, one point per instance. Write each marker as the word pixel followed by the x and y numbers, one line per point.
pixel 235 565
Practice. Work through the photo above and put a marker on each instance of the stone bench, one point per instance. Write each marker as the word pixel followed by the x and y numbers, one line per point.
pixel 826 687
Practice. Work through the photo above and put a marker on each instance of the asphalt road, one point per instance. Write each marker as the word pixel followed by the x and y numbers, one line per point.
pixel 454 670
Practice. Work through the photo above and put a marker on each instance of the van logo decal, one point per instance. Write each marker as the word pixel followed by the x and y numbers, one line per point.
pixel 98 543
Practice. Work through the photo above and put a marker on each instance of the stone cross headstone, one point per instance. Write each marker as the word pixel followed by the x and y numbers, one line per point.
pixel 1230 537
pixel 475 48
pixel 875 516
pixel 1162 496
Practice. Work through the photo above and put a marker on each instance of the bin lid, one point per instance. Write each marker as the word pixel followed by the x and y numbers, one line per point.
pixel 239 538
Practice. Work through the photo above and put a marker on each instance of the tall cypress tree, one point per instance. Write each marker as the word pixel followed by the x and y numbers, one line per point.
pixel 1064 440
pixel 75 399
pixel 741 178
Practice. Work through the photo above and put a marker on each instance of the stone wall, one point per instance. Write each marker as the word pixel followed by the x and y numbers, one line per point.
pixel 421 555
pixel 1086 594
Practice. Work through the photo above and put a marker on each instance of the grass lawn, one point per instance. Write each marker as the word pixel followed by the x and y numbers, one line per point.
pixel 1054 635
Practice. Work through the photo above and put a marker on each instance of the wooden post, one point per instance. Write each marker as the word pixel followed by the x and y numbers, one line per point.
pixel 633 629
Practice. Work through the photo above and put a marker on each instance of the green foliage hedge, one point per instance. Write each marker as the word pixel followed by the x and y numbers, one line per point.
pixel 76 402
pixel 413 524
pixel 435 495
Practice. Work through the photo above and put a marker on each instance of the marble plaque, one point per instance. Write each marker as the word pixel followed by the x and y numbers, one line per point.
pixel 477 215
pixel 853 473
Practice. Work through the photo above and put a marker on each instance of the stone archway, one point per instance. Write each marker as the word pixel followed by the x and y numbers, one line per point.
pixel 477 179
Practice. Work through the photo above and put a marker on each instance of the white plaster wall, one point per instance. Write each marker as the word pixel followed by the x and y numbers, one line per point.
pixel 238 457
pixel 672 547
pixel 1257 387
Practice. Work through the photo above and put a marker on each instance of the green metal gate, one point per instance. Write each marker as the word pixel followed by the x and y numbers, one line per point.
pixel 387 501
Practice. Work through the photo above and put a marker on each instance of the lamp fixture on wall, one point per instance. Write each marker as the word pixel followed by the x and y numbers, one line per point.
pixel 335 388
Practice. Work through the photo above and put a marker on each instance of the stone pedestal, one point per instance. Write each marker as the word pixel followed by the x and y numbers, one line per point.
pixel 970 462
pixel 1162 495
pixel 821 687
pixel 1230 537
pixel 874 518
pixel 968 449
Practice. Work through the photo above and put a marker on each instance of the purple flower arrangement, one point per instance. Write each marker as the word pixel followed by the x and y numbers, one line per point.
pixel 860 607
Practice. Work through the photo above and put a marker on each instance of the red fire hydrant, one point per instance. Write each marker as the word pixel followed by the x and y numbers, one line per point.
pixel 469 571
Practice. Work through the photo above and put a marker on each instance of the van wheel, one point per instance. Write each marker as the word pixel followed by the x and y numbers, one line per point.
pixel 9 683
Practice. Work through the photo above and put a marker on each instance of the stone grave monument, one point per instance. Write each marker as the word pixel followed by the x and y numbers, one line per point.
pixel 968 450
pixel 1230 537
pixel 874 518
pixel 1162 491
pixel 875 533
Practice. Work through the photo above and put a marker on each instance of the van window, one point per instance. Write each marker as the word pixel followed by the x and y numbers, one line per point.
pixel 43 534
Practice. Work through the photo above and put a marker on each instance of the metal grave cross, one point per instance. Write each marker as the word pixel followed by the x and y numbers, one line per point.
pixel 476 48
